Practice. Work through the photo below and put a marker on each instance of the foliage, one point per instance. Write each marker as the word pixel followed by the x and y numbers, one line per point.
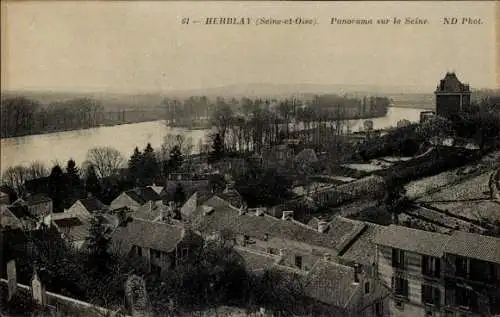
pixel 98 243
pixel 217 149
pixel 92 184
pixel 179 195
pixel 16 176
pixel 58 189
pixel 263 187
pixel 134 165
pixel 106 160
pixel 23 116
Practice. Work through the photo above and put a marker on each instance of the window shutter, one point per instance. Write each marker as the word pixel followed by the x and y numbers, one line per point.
pixel 406 290
pixel 392 283
pixel 394 257
pixel 438 267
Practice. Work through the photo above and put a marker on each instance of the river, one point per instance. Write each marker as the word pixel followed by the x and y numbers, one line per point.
pixel 61 146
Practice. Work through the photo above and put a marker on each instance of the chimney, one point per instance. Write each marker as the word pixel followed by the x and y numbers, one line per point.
pixel 357 270
pixel 287 215
pixel 322 226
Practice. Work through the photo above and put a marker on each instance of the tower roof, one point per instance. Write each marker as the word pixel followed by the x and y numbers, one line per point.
pixel 451 83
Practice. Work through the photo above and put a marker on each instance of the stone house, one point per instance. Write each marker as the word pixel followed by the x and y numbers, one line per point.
pixel 135 198
pixel 159 245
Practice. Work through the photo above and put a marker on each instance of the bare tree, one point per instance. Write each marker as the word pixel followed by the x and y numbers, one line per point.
pixel 106 160
pixel 15 177
pixel 37 169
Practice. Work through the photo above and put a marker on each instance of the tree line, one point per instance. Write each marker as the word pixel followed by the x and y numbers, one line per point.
pixel 22 116
pixel 253 125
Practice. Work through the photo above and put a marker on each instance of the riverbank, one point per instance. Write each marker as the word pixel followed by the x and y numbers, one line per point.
pixel 77 129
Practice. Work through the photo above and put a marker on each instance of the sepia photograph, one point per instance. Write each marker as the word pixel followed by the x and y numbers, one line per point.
pixel 250 159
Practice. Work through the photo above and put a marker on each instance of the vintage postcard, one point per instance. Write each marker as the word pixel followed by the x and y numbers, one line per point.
pixel 250 158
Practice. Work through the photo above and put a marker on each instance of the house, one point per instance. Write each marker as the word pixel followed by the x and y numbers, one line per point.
pixel 39 205
pixel 74 230
pixel 17 217
pixel 87 206
pixel 135 198
pixel 159 246
pixel 340 290
pixel 306 156
pixel 434 274
pixel 298 245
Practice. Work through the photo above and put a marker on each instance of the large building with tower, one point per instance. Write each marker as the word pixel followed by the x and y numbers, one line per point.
pixel 452 96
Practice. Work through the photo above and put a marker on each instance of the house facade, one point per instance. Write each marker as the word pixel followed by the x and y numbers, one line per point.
pixel 159 246
pixel 433 274
pixel 135 198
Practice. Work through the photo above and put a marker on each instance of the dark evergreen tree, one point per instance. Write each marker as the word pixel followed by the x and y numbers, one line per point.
pixel 176 159
pixel 135 166
pixel 57 188
pixel 98 243
pixel 217 149
pixel 179 195
pixel 150 165
pixel 92 184
pixel 72 172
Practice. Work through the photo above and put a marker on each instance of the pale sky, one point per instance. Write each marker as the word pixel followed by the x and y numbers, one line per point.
pixel 142 46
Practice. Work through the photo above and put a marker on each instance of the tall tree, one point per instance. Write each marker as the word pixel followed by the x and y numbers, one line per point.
pixel 98 243
pixel 57 188
pixel 134 166
pixel 217 149
pixel 179 195
pixel 150 166
pixel 176 159
pixel 106 160
pixel 92 184
pixel 72 172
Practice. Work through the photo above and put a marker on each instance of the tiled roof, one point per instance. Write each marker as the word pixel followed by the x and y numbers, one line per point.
pixel 74 229
pixel 475 246
pixel 256 261
pixel 466 244
pixel 92 204
pixel 362 250
pixel 143 195
pixel 331 283
pixel 227 217
pixel 450 83
pixel 20 212
pixel 148 234
pixel 414 240
pixel 37 199
pixel 149 211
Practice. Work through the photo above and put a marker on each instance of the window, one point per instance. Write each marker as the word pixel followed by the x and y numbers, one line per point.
pixel 400 286
pixel 462 266
pixel 398 258
pixel 431 266
pixel 367 287
pixel 463 296
pixel 379 309
pixel 155 269
pixel 185 253
pixel 298 261
pixel 137 250
pixel 431 295
pixel 155 254
pixel 246 240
